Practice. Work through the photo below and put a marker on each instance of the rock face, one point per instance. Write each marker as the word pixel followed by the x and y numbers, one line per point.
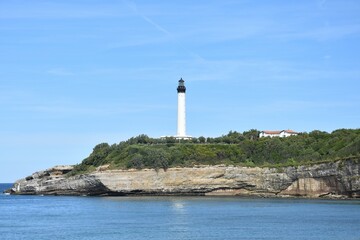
pixel 337 179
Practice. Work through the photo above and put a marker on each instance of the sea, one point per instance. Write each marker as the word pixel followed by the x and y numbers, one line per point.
pixel 63 217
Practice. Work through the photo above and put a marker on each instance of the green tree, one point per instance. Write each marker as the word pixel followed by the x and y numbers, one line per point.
pixel 252 134
pixel 143 151
pixel 202 139
pixel 137 161
pixel 157 158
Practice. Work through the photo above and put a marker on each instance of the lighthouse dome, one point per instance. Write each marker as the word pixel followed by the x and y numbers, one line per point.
pixel 181 88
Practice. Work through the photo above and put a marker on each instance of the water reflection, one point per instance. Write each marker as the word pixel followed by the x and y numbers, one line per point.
pixel 178 206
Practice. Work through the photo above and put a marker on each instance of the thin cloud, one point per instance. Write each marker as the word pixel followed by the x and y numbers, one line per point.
pixel 304 106
pixel 58 10
pixel 59 72
pixel 247 71
pixel 320 33
pixel 133 6
pixel 322 3
pixel 63 110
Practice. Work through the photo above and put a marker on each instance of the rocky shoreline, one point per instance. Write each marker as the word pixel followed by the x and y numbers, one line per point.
pixel 339 179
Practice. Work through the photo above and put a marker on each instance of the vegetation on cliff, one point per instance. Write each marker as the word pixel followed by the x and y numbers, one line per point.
pixel 233 148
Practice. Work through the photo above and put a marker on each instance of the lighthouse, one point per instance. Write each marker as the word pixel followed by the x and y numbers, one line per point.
pixel 181 120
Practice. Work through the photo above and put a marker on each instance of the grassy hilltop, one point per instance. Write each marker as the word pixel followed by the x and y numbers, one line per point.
pixel 234 148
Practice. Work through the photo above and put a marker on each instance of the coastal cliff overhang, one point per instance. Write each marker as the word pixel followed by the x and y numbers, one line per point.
pixel 334 179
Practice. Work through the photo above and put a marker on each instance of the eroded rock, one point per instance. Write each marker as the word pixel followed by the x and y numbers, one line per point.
pixel 337 179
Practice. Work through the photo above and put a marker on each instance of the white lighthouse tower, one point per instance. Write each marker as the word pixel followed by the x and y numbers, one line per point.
pixel 181 121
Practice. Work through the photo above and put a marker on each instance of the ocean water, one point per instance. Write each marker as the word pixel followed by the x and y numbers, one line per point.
pixel 57 217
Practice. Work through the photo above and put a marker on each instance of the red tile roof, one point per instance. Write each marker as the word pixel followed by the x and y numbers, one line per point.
pixel 289 131
pixel 271 132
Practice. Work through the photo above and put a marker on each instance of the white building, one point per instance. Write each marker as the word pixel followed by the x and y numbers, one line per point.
pixel 181 114
pixel 181 120
pixel 282 133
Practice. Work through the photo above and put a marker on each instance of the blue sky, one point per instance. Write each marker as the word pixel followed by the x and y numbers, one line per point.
pixel 77 73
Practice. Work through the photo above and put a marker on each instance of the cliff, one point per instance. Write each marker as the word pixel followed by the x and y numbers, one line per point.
pixel 336 179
